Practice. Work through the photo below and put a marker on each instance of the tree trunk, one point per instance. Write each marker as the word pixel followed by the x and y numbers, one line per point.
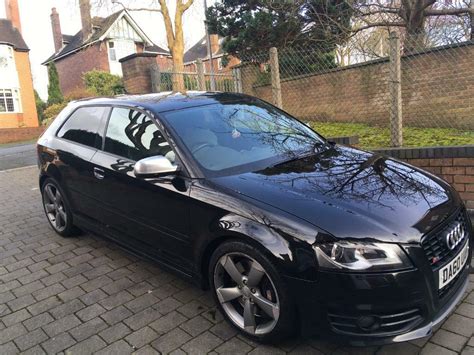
pixel 471 17
pixel 178 68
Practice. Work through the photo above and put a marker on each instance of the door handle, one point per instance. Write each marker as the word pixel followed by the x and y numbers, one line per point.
pixel 99 173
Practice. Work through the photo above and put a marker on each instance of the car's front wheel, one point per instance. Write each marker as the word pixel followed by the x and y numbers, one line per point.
pixel 250 292
pixel 57 210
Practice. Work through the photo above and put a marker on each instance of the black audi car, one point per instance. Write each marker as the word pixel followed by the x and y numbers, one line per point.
pixel 291 232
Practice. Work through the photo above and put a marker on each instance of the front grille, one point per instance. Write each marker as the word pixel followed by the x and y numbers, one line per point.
pixel 434 244
pixel 385 324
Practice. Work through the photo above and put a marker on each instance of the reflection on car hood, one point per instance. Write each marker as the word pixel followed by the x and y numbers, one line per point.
pixel 352 194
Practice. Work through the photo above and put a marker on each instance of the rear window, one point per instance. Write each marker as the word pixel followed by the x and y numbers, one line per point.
pixel 84 126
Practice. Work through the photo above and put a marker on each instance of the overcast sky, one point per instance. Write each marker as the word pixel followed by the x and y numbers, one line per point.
pixel 36 27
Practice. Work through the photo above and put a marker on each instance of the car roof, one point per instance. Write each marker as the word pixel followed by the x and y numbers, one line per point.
pixel 169 101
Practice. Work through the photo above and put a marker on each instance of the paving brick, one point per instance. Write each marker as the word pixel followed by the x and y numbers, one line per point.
pixel 141 337
pixel 460 325
pixel 38 321
pixel 139 320
pixel 93 297
pixel 449 340
pixel 87 346
pixel 237 346
pixel 196 325
pixel 71 294
pixel 96 283
pixel 88 329
pixel 466 309
pixel 167 305
pixel 202 344
pixel 58 343
pixel 116 299
pixel 116 315
pixel 118 348
pixel 54 278
pixel 12 332
pixel 90 312
pixel 141 302
pixel 61 325
pixel 43 305
pixel 115 332
pixel 16 317
pixel 192 309
pixel 431 349
pixel 224 330
pixel 30 339
pixel 117 286
pixel 8 349
pixel 168 322
pixel 73 281
pixel 171 341
pixel 49 291
pixel 35 350
pixel 67 308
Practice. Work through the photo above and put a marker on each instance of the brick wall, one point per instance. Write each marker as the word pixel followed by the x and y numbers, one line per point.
pixel 136 72
pixel 453 164
pixel 8 135
pixel 436 86
pixel 72 67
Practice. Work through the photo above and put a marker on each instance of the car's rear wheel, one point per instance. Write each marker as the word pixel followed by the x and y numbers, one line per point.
pixel 57 210
pixel 250 293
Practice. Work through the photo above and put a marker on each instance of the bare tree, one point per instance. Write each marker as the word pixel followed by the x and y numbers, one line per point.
pixel 174 31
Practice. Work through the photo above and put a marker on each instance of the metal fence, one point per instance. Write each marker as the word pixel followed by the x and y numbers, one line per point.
pixel 399 94
pixel 407 95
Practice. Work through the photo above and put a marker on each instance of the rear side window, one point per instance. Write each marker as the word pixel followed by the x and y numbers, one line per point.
pixel 84 126
pixel 133 135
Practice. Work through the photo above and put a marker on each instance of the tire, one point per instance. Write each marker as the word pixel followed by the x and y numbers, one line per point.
pixel 57 209
pixel 268 299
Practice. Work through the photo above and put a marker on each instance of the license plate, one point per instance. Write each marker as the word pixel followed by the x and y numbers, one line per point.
pixel 449 272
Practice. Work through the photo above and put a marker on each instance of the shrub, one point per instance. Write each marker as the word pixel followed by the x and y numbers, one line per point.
pixel 103 83
pixel 52 111
pixel 55 95
pixel 40 107
pixel 80 93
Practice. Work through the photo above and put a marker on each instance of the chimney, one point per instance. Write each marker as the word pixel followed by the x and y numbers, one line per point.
pixel 56 26
pixel 13 13
pixel 214 43
pixel 86 19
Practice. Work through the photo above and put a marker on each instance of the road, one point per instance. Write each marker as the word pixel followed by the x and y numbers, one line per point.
pixel 17 156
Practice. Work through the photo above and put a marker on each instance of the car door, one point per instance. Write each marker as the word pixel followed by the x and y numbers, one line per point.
pixel 77 141
pixel 147 213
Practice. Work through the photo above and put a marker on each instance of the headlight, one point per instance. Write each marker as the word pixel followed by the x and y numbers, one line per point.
pixel 361 256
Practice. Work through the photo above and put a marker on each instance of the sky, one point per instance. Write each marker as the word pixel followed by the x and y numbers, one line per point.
pixel 36 26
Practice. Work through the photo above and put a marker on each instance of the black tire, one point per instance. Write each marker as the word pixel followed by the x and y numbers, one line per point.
pixel 285 324
pixel 69 229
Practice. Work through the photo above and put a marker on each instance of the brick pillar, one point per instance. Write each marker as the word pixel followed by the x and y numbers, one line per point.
pixel 136 70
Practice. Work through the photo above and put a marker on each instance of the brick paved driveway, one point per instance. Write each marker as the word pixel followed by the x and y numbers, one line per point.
pixel 84 295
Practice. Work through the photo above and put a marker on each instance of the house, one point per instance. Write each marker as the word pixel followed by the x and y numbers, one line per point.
pixel 98 45
pixel 199 51
pixel 17 99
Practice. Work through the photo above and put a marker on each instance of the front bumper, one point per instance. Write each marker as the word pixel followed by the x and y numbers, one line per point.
pixel 406 305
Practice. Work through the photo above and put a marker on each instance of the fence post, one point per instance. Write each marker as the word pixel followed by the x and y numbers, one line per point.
pixel 201 81
pixel 155 77
pixel 275 72
pixel 237 75
pixel 395 82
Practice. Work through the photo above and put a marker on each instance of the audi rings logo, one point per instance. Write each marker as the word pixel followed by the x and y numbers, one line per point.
pixel 455 236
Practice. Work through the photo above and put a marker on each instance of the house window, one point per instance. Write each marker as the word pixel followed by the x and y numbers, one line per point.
pixel 112 52
pixel 9 100
pixel 6 57
pixel 219 64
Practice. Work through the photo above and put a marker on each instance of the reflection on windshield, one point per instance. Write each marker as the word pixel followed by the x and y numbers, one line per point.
pixel 229 137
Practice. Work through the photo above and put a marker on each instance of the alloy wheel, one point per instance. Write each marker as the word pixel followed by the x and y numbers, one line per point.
pixel 54 206
pixel 246 293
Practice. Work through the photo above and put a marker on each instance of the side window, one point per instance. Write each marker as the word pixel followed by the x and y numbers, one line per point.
pixel 133 135
pixel 83 126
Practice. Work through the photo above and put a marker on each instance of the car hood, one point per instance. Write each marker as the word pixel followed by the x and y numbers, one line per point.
pixel 352 194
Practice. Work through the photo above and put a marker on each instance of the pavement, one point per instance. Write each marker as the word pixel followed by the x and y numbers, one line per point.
pixel 18 155
pixel 85 295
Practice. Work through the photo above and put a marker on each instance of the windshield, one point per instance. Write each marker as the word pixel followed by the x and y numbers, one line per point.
pixel 230 138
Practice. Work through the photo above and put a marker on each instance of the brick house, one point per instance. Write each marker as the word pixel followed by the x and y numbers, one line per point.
pixel 98 45
pixel 17 100
pixel 199 51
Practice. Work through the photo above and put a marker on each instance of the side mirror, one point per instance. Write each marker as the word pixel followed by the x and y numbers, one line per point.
pixel 154 166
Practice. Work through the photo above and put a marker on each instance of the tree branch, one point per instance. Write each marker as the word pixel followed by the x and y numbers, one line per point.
pixel 446 12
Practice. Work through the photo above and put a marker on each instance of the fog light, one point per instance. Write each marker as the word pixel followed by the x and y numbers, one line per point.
pixel 368 323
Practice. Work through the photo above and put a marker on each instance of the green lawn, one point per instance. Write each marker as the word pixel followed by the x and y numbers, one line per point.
pixel 378 137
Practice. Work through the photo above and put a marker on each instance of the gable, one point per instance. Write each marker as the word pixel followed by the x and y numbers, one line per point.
pixel 123 29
